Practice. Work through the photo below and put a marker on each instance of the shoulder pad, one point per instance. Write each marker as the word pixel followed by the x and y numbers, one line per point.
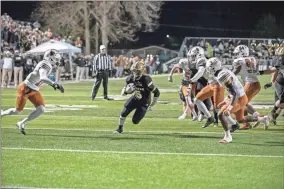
pixel 183 60
pixel 238 62
pixel 224 76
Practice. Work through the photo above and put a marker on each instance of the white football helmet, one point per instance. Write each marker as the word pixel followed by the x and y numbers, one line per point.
pixel 213 65
pixel 194 53
pixel 241 51
pixel 52 56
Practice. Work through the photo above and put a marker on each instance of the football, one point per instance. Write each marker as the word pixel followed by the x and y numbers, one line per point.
pixel 130 88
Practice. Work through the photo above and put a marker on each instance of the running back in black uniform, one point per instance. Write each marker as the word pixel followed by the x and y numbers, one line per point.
pixel 140 101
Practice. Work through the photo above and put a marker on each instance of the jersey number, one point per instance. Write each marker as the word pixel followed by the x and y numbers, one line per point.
pixel 137 94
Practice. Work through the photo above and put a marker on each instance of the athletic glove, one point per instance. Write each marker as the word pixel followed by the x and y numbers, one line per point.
pixel 154 102
pixel 58 86
pixel 266 86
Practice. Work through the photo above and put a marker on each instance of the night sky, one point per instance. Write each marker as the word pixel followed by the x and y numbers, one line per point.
pixel 215 15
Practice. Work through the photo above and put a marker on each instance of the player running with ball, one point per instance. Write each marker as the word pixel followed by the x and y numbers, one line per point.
pixel 141 86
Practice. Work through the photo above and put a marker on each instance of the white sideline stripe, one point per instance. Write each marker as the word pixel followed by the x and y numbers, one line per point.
pixel 21 187
pixel 143 153
pixel 158 132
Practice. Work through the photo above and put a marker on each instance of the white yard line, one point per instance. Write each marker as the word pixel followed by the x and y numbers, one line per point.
pixel 109 130
pixel 21 187
pixel 129 131
pixel 142 153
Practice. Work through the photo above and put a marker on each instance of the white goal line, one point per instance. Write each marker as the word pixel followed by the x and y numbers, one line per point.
pixel 139 153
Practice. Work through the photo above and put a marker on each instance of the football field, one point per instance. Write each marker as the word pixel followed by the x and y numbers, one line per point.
pixel 72 145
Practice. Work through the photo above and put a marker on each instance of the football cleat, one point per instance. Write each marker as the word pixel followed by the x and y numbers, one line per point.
pixel 200 117
pixel 182 117
pixel 194 118
pixel 273 118
pixel 235 127
pixel 266 122
pixel 209 121
pixel 226 140
pixel 119 130
pixel 21 127
pixel 215 123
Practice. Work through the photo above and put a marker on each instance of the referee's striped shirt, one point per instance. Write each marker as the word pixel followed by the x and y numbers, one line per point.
pixel 102 62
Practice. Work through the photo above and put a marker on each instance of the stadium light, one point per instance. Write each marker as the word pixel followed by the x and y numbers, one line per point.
pixel 168 36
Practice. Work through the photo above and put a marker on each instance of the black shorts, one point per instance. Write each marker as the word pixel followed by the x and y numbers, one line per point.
pixel 140 109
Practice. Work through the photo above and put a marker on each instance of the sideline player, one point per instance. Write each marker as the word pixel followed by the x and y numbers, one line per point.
pixel 246 66
pixel 235 102
pixel 29 89
pixel 141 86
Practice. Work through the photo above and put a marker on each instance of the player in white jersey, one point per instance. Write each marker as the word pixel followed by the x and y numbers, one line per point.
pixel 235 102
pixel 185 88
pixel 213 89
pixel 246 66
pixel 29 89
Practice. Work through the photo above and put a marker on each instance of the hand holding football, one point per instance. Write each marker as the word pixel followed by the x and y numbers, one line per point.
pixel 130 88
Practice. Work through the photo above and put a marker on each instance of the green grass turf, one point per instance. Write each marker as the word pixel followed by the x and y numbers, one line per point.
pixel 160 152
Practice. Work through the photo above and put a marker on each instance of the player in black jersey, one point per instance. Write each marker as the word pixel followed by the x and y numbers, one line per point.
pixel 278 81
pixel 140 86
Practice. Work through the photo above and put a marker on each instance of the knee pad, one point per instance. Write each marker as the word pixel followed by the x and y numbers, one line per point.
pixel 41 108
pixel 135 121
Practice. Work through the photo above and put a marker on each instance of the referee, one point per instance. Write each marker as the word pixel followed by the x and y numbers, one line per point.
pixel 102 65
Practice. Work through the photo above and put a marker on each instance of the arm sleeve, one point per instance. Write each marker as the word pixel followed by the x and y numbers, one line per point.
pixel 233 94
pixel 151 87
pixel 43 76
pixel 199 74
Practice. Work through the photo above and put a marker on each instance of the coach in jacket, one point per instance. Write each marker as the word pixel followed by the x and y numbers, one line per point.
pixel 102 65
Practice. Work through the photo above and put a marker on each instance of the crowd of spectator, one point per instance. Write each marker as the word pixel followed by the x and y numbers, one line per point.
pixel 18 37
pixel 223 48
pixel 23 36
